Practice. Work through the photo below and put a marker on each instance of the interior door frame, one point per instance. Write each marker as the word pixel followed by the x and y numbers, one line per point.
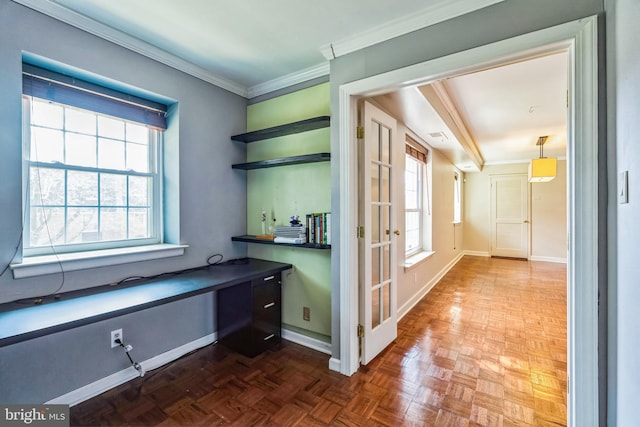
pixel 578 38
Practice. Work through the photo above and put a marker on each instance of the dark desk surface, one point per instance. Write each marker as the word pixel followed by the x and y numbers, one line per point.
pixel 21 322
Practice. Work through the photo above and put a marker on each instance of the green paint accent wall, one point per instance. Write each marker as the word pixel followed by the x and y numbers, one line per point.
pixel 293 190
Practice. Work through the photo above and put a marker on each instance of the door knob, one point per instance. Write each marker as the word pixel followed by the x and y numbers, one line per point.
pixel 526 221
pixel 396 232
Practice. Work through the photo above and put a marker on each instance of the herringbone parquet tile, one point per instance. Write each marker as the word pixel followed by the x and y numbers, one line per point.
pixel 486 347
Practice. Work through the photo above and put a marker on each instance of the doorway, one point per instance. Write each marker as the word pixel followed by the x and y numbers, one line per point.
pixel 579 40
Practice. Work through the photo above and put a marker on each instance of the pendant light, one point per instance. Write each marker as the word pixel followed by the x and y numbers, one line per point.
pixel 542 169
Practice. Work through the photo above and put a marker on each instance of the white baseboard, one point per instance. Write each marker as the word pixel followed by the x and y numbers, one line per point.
pixel 303 340
pixel 406 307
pixel 104 384
pixel 334 364
pixel 477 253
pixel 548 259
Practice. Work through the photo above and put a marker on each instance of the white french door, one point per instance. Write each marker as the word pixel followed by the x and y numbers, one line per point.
pixel 377 249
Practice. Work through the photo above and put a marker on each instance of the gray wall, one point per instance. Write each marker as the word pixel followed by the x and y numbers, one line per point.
pixel 624 272
pixel 206 206
pixel 498 22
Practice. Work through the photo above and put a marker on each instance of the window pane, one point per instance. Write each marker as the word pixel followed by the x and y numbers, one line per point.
pixel 44 113
pixel 137 133
pixel 81 150
pixel 110 128
pixel 139 225
pixel 46 226
pixel 386 223
pixel 45 185
pixel 375 145
pixel 386 183
pixel 46 145
pixel 137 157
pixel 385 145
pixel 82 225
pixel 139 191
pixel 110 154
pixel 82 188
pixel 80 121
pixel 375 308
pixel 113 223
pixel 375 224
pixel 113 190
pixel 375 266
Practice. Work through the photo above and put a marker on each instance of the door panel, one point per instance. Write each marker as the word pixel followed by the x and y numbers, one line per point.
pixel 510 215
pixel 377 247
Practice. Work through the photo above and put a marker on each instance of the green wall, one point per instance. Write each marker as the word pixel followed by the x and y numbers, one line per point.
pixel 293 190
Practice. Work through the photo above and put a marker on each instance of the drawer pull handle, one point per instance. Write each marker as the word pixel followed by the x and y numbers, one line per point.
pixel 269 337
pixel 268 278
pixel 271 304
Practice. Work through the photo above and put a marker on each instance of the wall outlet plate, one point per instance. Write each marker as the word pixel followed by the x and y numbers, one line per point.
pixel 116 334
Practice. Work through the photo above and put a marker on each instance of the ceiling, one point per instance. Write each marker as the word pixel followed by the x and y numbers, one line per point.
pixel 252 47
pixel 490 117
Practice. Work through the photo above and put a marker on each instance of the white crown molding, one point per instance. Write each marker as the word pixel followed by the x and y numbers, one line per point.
pixel 397 27
pixel 307 74
pixel 105 32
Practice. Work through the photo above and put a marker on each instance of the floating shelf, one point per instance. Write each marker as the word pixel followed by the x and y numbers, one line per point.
pixel 285 161
pixel 254 239
pixel 288 129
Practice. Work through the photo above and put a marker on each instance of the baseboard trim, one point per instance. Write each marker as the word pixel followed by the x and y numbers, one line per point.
pixel 548 259
pixel 107 383
pixel 334 364
pixel 406 307
pixel 305 341
pixel 477 253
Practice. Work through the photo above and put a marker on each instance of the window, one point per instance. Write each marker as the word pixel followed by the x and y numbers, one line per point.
pixel 93 166
pixel 457 216
pixel 417 200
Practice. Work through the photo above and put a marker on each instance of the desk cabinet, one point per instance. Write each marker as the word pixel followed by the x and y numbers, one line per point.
pixel 249 315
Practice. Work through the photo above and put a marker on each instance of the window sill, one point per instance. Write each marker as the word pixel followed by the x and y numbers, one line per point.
pixel 417 259
pixel 50 264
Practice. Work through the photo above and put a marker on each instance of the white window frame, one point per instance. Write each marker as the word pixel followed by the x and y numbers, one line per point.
pixel 57 259
pixel 155 193
pixel 457 197
pixel 423 251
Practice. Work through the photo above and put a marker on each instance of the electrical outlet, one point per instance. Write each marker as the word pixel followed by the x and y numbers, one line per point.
pixel 115 335
pixel 306 313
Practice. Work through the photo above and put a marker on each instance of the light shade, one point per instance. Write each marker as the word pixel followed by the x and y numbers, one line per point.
pixel 542 169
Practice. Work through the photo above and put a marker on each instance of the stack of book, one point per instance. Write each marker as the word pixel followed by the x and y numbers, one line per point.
pixel 319 228
pixel 296 235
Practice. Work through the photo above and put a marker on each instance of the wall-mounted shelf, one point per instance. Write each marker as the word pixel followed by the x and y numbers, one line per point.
pixel 285 161
pixel 288 129
pixel 254 239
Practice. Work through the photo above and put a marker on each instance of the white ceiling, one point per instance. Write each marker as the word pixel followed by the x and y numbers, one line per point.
pixel 502 112
pixel 251 47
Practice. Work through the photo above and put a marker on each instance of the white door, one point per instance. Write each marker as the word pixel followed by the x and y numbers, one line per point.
pixel 510 216
pixel 379 237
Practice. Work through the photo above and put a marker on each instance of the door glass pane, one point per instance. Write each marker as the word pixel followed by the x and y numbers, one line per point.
pixel 375 308
pixel 375 224
pixel 386 302
pixel 386 223
pixel 375 182
pixel 375 266
pixel 386 184
pixel 385 145
pixel 375 141
pixel 386 262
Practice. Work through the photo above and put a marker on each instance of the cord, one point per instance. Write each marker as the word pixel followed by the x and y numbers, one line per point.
pixel 127 349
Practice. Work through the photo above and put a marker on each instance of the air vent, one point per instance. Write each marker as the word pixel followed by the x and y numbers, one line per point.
pixel 438 135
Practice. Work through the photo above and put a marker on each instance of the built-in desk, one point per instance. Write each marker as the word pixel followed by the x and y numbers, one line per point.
pixel 21 321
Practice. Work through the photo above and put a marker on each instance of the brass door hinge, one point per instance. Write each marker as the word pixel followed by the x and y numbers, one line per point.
pixel 360 232
pixel 359 132
pixel 360 331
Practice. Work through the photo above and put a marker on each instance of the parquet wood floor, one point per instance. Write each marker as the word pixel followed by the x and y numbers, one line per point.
pixel 486 347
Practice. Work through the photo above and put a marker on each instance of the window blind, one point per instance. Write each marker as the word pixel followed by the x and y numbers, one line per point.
pixel 46 84
pixel 415 150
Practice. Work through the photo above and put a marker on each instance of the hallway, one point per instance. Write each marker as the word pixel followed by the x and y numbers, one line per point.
pixel 486 347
